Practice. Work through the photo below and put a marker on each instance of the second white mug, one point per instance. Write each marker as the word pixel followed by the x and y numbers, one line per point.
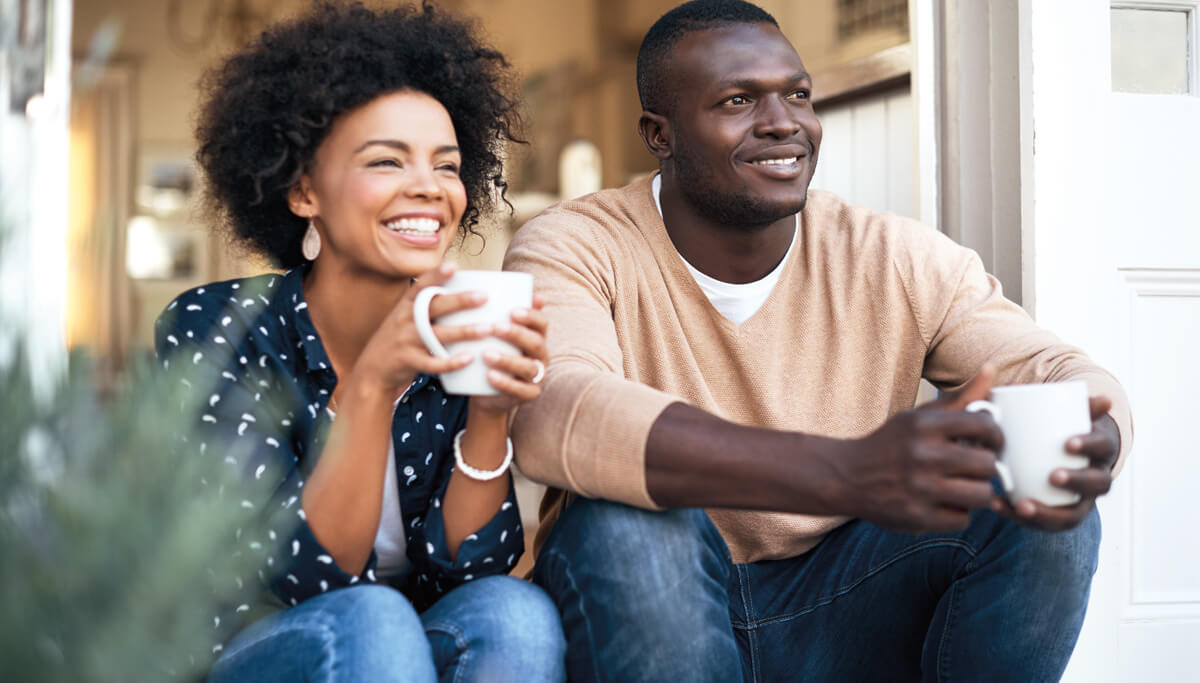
pixel 1037 420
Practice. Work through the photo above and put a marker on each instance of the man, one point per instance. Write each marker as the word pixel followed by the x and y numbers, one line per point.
pixel 727 407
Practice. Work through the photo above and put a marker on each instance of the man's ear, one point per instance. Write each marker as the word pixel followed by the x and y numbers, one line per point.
pixel 655 130
pixel 302 200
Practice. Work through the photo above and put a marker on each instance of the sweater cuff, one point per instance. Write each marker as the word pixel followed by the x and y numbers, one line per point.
pixel 605 446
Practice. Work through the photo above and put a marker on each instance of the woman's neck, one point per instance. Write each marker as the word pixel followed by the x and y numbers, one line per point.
pixel 347 308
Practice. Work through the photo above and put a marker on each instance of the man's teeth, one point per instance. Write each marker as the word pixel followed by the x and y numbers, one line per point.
pixel 786 161
pixel 421 225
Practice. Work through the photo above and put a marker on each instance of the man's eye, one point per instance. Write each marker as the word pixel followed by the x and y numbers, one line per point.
pixel 738 100
pixel 801 94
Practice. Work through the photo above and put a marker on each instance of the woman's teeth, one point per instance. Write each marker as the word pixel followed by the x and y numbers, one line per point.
pixel 417 225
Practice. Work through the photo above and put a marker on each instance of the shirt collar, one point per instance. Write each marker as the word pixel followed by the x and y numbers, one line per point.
pixel 289 303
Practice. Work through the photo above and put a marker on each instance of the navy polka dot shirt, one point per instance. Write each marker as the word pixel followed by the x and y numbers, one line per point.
pixel 247 352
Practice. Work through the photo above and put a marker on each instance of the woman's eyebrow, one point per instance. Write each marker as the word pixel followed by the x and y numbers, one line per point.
pixel 403 146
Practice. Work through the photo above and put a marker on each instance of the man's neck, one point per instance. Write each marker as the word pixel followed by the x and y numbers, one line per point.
pixel 729 253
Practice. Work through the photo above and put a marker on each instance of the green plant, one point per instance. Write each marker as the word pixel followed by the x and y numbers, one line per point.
pixel 110 568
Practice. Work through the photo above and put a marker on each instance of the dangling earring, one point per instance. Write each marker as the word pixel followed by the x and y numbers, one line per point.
pixel 311 245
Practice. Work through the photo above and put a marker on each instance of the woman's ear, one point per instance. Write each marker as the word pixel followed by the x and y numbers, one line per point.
pixel 655 130
pixel 302 200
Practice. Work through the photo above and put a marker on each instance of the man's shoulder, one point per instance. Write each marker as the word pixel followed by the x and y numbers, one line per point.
pixel 831 216
pixel 612 212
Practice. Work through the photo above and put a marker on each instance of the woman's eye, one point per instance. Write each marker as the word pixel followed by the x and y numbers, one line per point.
pixel 449 168
pixel 385 163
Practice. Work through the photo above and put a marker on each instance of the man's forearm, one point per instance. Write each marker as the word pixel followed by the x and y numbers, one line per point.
pixel 694 459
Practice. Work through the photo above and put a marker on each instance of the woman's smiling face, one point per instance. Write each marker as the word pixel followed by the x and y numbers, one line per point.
pixel 385 187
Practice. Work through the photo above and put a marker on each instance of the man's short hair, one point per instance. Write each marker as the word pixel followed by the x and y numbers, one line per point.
pixel 697 15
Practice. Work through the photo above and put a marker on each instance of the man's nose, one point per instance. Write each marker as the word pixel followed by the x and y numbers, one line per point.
pixel 776 119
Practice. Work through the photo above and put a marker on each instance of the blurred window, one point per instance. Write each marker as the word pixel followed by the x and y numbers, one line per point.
pixel 1150 50
pixel 856 17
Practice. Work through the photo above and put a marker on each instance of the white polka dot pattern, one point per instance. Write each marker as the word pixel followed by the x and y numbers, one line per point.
pixel 263 381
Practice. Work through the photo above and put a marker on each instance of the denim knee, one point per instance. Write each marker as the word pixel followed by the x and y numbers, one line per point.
pixel 373 608
pixel 499 627
pixel 635 557
pixel 643 595
pixel 502 613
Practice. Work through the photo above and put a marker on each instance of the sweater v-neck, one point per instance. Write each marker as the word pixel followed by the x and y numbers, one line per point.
pixel 677 274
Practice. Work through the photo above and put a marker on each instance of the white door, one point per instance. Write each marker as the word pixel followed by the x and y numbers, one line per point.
pixel 1112 263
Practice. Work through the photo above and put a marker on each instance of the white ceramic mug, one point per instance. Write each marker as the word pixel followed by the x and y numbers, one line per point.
pixel 1037 420
pixel 506 292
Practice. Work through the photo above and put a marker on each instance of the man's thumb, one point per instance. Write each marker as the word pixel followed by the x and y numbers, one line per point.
pixel 978 388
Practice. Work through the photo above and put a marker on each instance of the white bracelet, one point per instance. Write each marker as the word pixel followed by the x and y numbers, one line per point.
pixel 477 474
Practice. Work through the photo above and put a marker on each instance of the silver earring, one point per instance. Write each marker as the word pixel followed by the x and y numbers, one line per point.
pixel 311 245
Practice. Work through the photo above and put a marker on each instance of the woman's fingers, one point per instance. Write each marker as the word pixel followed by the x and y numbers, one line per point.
pixel 530 341
pixel 449 334
pixel 531 318
pixel 444 304
pixel 433 365
pixel 510 386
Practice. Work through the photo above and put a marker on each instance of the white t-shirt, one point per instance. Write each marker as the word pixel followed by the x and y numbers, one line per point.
pixel 737 302
pixel 391 543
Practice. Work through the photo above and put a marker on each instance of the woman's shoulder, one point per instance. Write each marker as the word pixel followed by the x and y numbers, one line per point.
pixel 226 311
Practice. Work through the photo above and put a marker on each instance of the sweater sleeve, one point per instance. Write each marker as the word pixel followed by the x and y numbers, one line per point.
pixel 966 321
pixel 587 433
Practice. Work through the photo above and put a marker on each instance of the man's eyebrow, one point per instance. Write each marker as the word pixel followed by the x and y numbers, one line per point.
pixel 402 146
pixel 755 83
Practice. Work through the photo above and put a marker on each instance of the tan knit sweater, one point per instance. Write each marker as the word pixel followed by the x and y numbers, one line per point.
pixel 866 305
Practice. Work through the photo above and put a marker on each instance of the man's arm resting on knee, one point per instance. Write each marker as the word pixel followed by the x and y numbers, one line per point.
pixel 917 472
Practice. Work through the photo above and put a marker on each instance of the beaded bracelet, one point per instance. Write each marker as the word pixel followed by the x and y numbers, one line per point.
pixel 477 474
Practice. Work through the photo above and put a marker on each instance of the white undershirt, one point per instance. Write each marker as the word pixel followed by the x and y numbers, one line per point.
pixel 391 542
pixel 737 302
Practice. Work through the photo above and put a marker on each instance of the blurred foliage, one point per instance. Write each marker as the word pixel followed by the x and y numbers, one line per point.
pixel 109 569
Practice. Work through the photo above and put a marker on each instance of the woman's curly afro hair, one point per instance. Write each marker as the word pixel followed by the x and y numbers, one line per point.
pixel 268 107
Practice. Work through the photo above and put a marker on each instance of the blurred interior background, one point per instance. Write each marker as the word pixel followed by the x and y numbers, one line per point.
pixel 1056 138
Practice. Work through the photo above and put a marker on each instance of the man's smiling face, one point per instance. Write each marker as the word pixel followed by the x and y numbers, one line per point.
pixel 744 137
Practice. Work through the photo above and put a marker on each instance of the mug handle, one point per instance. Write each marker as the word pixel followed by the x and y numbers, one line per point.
pixel 1005 474
pixel 421 320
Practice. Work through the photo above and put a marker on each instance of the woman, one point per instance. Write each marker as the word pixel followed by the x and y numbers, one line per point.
pixel 350 147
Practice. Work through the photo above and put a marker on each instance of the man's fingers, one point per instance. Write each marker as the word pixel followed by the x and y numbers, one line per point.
pixel 1099 406
pixel 1094 446
pixel 970 462
pixel 1091 482
pixel 973 428
pixel 965 494
pixel 976 389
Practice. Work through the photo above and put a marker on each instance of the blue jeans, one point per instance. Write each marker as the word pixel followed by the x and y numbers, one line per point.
pixel 493 629
pixel 654 596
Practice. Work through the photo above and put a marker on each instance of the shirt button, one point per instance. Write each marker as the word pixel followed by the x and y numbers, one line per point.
pixel 408 470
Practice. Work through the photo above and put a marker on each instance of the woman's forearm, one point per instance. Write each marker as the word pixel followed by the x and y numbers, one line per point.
pixel 471 503
pixel 343 496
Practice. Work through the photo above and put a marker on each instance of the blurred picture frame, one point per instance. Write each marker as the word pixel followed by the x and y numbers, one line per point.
pixel 157 249
pixel 168 181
